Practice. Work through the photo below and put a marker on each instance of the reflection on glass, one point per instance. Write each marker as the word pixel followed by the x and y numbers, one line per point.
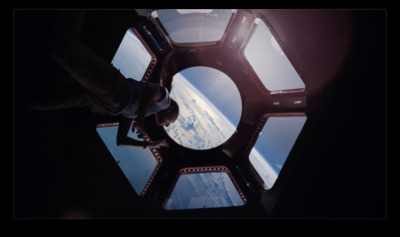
pixel 191 25
pixel 131 58
pixel 269 61
pixel 274 145
pixel 137 164
pixel 209 108
pixel 203 190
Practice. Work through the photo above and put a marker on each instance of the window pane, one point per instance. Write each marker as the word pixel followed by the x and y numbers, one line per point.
pixel 190 26
pixel 203 190
pixel 209 108
pixel 269 61
pixel 137 164
pixel 131 58
pixel 273 146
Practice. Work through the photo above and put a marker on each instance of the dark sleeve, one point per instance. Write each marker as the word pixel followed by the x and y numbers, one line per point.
pixel 123 129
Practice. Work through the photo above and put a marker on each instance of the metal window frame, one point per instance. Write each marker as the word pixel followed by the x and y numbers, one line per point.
pixel 253 141
pixel 246 64
pixel 194 45
pixel 154 151
pixel 153 61
pixel 204 169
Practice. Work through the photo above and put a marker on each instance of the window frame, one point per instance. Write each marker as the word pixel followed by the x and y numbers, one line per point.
pixel 252 73
pixel 154 151
pixel 253 141
pixel 204 169
pixel 153 61
pixel 153 58
pixel 193 45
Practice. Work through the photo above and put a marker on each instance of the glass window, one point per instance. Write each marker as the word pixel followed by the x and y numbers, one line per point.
pixel 194 25
pixel 132 57
pixel 273 146
pixel 210 108
pixel 205 188
pixel 138 165
pixel 269 61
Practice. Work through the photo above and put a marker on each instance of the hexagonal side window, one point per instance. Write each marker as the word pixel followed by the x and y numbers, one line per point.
pixel 138 165
pixel 268 60
pixel 133 57
pixel 193 25
pixel 204 187
pixel 273 145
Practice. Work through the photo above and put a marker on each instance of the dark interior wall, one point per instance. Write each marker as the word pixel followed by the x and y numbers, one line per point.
pixel 61 166
pixel 344 147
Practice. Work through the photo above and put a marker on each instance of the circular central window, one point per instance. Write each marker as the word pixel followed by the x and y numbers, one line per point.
pixel 210 108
